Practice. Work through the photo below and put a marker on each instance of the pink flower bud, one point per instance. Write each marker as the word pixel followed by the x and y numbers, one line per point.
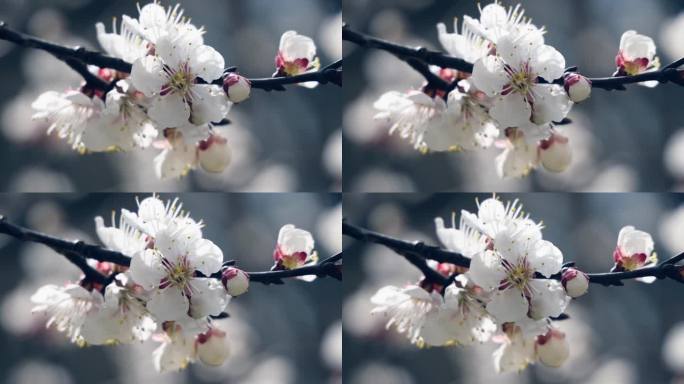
pixel 552 348
pixel 575 282
pixel 214 153
pixel 235 280
pixel 212 347
pixel 577 86
pixel 555 153
pixel 238 88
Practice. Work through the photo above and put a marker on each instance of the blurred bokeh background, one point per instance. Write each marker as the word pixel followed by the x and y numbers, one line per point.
pixel 622 141
pixel 286 334
pixel 618 335
pixel 281 141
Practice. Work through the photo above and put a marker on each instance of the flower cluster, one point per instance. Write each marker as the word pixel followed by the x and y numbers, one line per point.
pixel 517 93
pixel 175 95
pixel 513 289
pixel 175 285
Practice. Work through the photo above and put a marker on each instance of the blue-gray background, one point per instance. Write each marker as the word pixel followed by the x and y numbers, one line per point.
pixel 622 141
pixel 279 334
pixel 629 334
pixel 281 141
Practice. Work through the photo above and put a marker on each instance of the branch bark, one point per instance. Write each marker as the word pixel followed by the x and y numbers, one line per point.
pixel 77 252
pixel 418 253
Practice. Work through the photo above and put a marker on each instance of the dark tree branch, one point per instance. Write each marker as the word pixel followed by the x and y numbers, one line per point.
pixel 78 57
pixel 78 252
pixel 669 73
pixel 417 253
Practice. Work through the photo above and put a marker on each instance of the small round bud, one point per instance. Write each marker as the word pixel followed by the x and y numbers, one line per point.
pixel 552 348
pixel 577 86
pixel 575 282
pixel 237 87
pixel 235 280
pixel 212 347
pixel 214 153
pixel 555 153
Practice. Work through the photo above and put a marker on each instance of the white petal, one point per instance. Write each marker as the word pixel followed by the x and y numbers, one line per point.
pixel 168 304
pixel 209 104
pixel 551 103
pixel 294 46
pixel 511 110
pixel 548 299
pixel 146 268
pixel 548 63
pixel 207 63
pixel 175 162
pixel 208 297
pixel 508 305
pixel 486 270
pixel 489 75
pixel 547 259
pixel 147 75
pixel 206 257
pixel 169 110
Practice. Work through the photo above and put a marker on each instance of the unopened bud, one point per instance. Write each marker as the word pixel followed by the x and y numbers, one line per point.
pixel 577 86
pixel 575 282
pixel 214 153
pixel 212 347
pixel 555 153
pixel 237 87
pixel 235 280
pixel 552 348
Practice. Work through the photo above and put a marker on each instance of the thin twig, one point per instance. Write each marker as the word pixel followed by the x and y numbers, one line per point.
pixel 669 73
pixel 78 252
pixel 416 251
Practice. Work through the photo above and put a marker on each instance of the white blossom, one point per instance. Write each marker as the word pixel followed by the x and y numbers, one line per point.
pixel 516 351
pixel 634 250
pixel 637 55
pixel 294 249
pixel 496 21
pixel 120 318
pixel 406 308
pixel 466 45
pixel 296 55
pixel 170 79
pixel 213 347
pixel 168 272
pixel 66 307
pixel 508 270
pixel 511 78
pixel 176 351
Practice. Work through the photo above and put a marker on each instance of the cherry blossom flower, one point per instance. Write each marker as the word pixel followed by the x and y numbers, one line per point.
pixel 575 282
pixel 519 157
pixel 466 45
pixel 496 21
pixel 577 86
pixel 238 88
pixel 460 319
pixel 177 349
pixel 465 239
pixel 70 114
pixel 122 126
pixel 177 158
pixel 120 318
pixel 236 281
pixel 213 153
pixel 154 22
pixel 170 79
pixel 213 347
pixel 465 124
pixel 168 272
pixel 555 153
pixel 516 351
pixel 67 307
pixel 637 55
pixel 296 55
pixel 410 114
pixel 124 43
pixel 511 78
pixel 634 250
pixel 552 349
pixel 509 270
pixel 406 308
pixel 295 248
